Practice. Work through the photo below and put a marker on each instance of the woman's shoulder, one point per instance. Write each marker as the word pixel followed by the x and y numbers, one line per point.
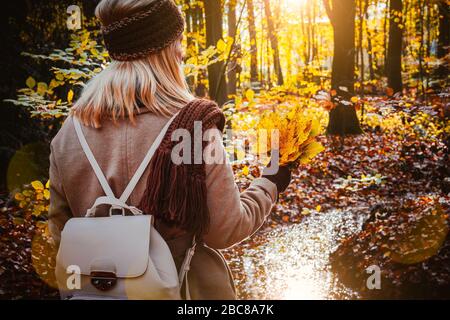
pixel 63 135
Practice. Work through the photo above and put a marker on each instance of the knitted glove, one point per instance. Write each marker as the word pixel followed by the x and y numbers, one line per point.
pixel 282 178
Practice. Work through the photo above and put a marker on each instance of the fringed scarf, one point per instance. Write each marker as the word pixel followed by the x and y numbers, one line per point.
pixel 176 194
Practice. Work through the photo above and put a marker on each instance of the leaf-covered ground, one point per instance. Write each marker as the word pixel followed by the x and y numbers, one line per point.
pixel 395 176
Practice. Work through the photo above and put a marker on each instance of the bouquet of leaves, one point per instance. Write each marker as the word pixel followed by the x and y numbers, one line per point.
pixel 297 134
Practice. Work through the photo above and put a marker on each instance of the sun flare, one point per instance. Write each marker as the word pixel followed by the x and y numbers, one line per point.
pixel 296 3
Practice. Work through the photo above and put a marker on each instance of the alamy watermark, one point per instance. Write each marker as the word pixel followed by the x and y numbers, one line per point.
pixel 209 147
pixel 73 22
pixel 374 280
pixel 73 281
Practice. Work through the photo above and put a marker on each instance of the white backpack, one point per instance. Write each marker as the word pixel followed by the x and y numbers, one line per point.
pixel 119 256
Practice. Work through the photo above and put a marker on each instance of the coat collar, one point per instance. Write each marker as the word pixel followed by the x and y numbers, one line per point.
pixel 141 110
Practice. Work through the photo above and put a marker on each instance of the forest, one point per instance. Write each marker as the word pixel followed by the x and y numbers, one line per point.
pixel 372 200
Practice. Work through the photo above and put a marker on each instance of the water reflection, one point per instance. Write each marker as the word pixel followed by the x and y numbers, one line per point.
pixel 292 263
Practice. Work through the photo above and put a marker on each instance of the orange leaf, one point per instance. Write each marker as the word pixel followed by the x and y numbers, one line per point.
pixel 389 92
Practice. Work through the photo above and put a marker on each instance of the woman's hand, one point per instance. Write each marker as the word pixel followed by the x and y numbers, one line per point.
pixel 281 178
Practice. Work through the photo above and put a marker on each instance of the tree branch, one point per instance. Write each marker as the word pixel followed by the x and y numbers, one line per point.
pixel 233 43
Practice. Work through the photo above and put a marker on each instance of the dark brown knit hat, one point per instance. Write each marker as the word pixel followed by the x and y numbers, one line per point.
pixel 143 33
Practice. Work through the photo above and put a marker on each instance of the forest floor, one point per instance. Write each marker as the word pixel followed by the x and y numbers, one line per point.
pixel 378 199
pixel 381 198
pixel 375 201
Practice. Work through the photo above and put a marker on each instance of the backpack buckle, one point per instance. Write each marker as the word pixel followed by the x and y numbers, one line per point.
pixel 103 281
pixel 116 211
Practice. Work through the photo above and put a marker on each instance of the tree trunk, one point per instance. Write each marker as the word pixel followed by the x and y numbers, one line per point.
pixel 305 35
pixel 314 25
pixel 308 5
pixel 429 30
pixel 253 46
pixel 421 34
pixel 262 51
pixel 394 54
pixel 214 31
pixel 343 119
pixel 232 33
pixel 189 41
pixel 444 37
pixel 428 47
pixel 274 43
pixel 369 41
pixel 189 22
pixel 385 31
pixel 361 49
pixel 268 64
pixel 198 22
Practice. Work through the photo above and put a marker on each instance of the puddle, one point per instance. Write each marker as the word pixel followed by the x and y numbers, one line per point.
pixel 293 261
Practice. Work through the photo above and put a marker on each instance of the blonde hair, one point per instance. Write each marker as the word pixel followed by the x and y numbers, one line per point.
pixel 156 81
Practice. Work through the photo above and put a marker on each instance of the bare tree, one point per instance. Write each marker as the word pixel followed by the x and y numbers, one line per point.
pixel 214 32
pixel 444 37
pixel 343 119
pixel 253 46
pixel 394 54
pixel 274 43
pixel 232 24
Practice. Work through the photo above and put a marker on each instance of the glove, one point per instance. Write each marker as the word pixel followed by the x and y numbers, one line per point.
pixel 281 179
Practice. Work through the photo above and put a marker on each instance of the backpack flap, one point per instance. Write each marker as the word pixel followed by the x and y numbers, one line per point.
pixel 117 244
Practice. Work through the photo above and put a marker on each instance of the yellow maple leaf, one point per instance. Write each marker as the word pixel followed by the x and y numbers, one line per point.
pixel 250 95
pixel 296 131
pixel 221 45
pixel 30 82
pixel 37 185
pixel 311 150
pixel 19 197
pixel 70 96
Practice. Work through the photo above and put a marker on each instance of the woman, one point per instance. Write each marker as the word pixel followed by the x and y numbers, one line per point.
pixel 122 110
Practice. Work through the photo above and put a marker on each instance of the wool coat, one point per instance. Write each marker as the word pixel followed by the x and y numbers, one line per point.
pixel 119 148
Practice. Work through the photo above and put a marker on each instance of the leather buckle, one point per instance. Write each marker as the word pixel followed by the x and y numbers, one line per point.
pixel 116 211
pixel 103 281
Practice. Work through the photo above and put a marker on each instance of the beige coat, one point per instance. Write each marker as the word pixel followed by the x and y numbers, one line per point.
pixel 119 149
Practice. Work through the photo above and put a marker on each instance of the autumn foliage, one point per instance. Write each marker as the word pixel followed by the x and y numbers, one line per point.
pixel 356 91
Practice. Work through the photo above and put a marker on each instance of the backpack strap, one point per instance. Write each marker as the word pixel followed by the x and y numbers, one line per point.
pixel 90 156
pixel 110 197
pixel 140 170
pixel 185 266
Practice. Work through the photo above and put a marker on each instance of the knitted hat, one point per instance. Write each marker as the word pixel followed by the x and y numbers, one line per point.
pixel 145 32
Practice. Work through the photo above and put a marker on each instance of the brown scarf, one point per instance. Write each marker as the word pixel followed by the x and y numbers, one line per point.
pixel 176 194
